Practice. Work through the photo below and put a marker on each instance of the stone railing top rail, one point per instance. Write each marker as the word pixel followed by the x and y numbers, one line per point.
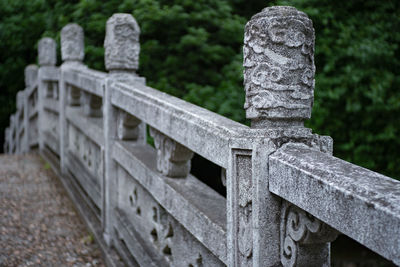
pixel 200 130
pixel 86 79
pixel 360 203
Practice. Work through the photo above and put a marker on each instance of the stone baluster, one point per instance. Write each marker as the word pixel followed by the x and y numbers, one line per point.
pixel 92 105
pixel 47 58
pixel 173 159
pixel 121 58
pixel 279 85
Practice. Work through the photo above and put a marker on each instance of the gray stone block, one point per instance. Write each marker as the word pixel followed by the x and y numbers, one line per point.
pixel 72 43
pixel 47 53
pixel 121 43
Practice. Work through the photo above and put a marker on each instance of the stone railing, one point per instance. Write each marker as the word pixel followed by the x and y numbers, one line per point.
pixel 287 197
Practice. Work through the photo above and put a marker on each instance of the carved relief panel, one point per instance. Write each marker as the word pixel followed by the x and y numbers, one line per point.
pixel 159 230
pixel 87 151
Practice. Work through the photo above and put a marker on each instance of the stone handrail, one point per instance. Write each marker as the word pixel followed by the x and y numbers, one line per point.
pixel 287 197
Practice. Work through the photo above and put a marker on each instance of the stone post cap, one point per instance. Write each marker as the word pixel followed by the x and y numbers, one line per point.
pixel 47 52
pixel 72 43
pixel 31 74
pixel 279 67
pixel 122 43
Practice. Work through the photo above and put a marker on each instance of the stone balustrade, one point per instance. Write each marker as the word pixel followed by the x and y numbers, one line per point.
pixel 287 197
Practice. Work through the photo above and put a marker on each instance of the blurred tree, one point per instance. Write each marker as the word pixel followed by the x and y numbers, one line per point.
pixel 357 96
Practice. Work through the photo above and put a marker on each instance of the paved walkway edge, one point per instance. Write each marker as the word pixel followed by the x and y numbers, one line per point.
pixel 111 257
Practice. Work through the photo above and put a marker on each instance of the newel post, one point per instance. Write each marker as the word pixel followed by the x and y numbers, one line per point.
pixel 72 54
pixel 31 79
pixel 279 86
pixel 47 57
pixel 121 59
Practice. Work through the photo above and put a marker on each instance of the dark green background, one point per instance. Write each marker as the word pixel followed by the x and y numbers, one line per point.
pixel 192 49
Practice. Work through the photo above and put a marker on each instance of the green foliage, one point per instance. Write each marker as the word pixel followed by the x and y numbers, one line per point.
pixel 192 49
pixel 357 96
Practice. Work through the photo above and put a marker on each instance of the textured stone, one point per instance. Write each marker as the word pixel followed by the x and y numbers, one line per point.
pixel 72 43
pixel 173 159
pixel 283 195
pixel 304 239
pixel 359 203
pixel 121 44
pixel 279 67
pixel 31 75
pixel 47 53
pixel 128 126
pixel 92 105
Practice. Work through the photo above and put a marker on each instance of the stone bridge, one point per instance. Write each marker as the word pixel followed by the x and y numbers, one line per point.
pixel 123 151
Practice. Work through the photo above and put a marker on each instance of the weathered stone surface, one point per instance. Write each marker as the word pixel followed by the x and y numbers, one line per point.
pixel 31 75
pixel 121 44
pixel 47 53
pixel 173 159
pixel 304 239
pixel 282 192
pixel 203 131
pixel 204 210
pixel 279 67
pixel 72 43
pixel 92 105
pixel 128 126
pixel 357 202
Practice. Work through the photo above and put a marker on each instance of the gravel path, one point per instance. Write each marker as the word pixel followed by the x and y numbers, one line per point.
pixel 38 223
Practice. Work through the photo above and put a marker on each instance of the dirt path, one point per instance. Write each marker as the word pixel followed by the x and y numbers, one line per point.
pixel 38 223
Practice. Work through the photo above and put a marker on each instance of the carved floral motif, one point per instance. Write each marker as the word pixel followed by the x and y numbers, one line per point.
pixel 300 228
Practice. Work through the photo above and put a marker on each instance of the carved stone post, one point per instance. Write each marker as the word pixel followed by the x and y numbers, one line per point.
pixel 279 85
pixel 72 43
pixel 12 134
pixel 122 45
pixel 121 60
pixel 7 141
pixel 47 52
pixel 47 56
pixel 19 124
pixel 72 54
pixel 31 78
pixel 279 67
